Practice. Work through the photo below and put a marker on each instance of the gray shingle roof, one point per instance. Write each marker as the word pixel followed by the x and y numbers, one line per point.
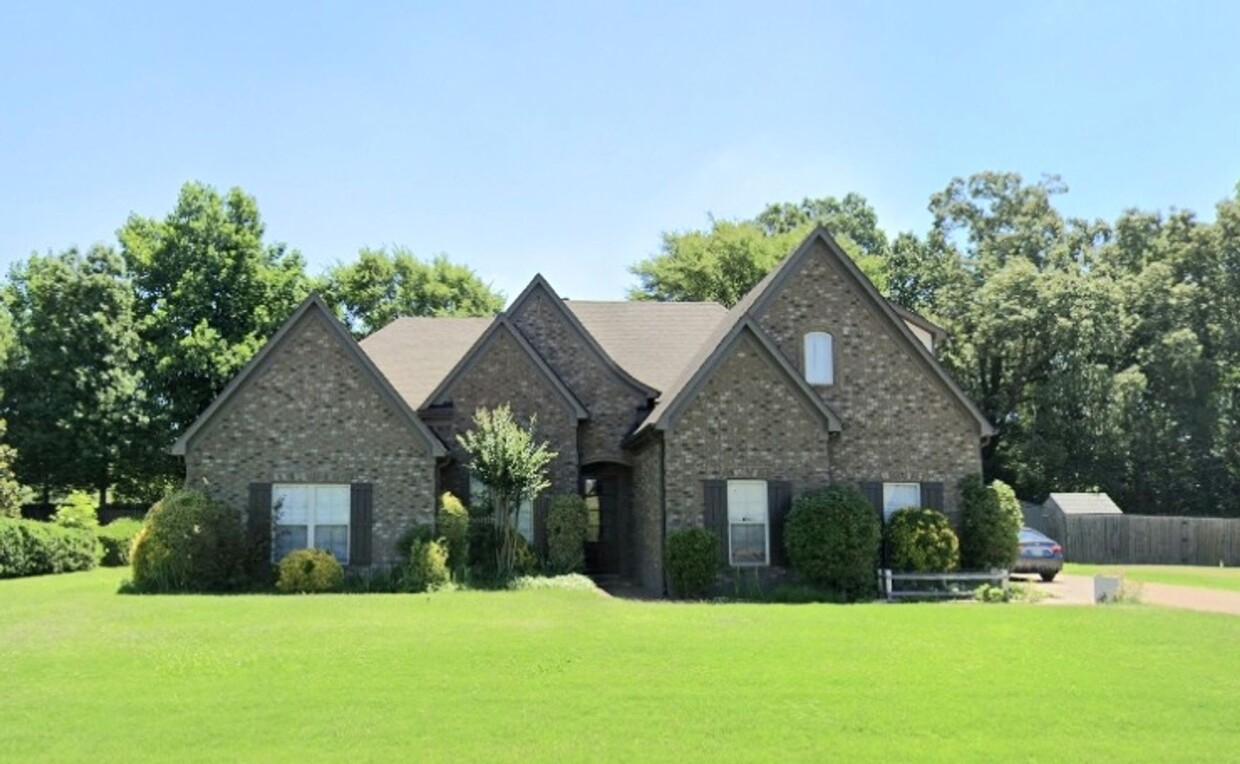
pixel 1084 504
pixel 653 341
pixel 415 354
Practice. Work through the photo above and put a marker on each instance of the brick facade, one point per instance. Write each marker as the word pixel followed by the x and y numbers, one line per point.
pixel 503 373
pixel 312 415
pixel 900 422
pixel 747 422
pixel 613 404
pixel 648 515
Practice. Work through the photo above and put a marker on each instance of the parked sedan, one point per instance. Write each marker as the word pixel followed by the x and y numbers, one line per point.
pixel 1039 554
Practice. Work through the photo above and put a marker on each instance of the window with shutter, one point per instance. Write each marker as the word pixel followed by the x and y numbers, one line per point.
pixel 897 496
pixel 311 517
pixel 748 523
pixel 819 359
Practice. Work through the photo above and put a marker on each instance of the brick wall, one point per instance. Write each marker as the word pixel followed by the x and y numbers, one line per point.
pixel 747 422
pixel 648 516
pixel 613 404
pixel 900 422
pixel 504 373
pixel 312 415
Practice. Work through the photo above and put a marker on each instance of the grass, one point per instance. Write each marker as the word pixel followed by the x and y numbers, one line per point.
pixel 1226 579
pixel 552 675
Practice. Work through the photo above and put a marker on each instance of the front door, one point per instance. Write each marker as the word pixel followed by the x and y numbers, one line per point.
pixel 604 492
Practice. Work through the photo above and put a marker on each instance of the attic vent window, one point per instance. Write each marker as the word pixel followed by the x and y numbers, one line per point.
pixel 819 359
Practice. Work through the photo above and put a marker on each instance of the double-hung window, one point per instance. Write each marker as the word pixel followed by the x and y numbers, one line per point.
pixel 311 517
pixel 748 524
pixel 819 359
pixel 897 496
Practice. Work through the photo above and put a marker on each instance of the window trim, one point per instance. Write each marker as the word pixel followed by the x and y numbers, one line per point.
pixel 828 377
pixel 902 484
pixel 278 488
pixel 766 526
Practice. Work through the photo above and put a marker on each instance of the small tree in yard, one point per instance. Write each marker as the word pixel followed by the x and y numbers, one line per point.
pixel 505 458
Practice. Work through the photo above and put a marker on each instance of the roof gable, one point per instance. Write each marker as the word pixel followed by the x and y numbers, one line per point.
pixel 311 309
pixel 416 354
pixel 539 285
pixel 502 326
pixel 760 297
pixel 715 353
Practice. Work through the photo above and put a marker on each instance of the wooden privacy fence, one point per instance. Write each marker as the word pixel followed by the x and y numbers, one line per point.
pixel 1149 540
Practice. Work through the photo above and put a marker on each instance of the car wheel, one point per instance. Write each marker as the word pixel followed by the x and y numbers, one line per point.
pixel 1048 577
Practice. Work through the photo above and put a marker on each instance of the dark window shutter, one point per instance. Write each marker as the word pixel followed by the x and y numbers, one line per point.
pixel 716 516
pixel 872 490
pixel 932 495
pixel 361 522
pixel 542 507
pixel 258 516
pixel 778 505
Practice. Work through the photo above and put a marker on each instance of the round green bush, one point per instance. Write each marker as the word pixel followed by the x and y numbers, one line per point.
pixel 990 522
pixel 832 537
pixel 309 571
pixel 117 540
pixel 921 540
pixel 191 542
pixel 692 562
pixel 78 511
pixel 566 534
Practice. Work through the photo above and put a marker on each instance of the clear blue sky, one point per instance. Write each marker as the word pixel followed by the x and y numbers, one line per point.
pixel 564 137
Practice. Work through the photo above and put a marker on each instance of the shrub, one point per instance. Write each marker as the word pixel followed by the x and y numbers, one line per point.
pixel 483 541
pixel 117 540
pixel 922 541
pixel 191 543
pixel 404 544
pixel 78 511
pixel 427 568
pixel 832 537
pixel 454 528
pixel 33 548
pixel 525 559
pixel 990 521
pixel 692 562
pixel 572 582
pixel 309 571
pixel 566 534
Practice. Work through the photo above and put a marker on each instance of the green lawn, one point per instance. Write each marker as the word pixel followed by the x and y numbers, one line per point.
pixel 1227 579
pixel 89 675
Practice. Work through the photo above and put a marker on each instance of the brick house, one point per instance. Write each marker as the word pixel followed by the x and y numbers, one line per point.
pixel 664 416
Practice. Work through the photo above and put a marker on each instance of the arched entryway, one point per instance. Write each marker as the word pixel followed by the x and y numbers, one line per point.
pixel 606 488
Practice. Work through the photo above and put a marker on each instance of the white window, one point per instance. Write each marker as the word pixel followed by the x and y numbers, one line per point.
pixel 897 496
pixel 525 513
pixel 311 517
pixel 748 529
pixel 819 359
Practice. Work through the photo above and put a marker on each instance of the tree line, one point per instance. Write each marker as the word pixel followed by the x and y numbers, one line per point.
pixel 1106 352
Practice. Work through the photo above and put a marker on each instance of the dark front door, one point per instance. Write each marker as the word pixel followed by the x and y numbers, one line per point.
pixel 604 493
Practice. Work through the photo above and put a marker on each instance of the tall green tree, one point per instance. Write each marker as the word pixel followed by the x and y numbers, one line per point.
pixel 73 394
pixel 380 286
pixel 210 291
pixel 723 263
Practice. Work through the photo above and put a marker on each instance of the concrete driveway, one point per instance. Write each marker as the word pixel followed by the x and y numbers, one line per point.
pixel 1079 590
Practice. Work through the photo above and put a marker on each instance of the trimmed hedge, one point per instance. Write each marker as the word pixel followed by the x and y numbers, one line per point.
pixel 832 537
pixel 566 534
pixel 990 521
pixel 117 540
pixel 921 540
pixel 309 571
pixel 454 528
pixel 692 562
pixel 33 548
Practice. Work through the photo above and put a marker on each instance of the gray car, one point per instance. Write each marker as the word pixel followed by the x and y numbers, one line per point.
pixel 1039 554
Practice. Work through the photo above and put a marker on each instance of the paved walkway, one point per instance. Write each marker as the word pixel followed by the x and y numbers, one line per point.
pixel 1079 590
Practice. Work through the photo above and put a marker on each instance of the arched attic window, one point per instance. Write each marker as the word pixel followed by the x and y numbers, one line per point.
pixel 819 359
